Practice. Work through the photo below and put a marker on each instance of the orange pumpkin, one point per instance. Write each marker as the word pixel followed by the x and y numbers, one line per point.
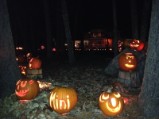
pixel 35 63
pixel 137 45
pixel 63 99
pixel 127 62
pixel 111 103
pixel 27 89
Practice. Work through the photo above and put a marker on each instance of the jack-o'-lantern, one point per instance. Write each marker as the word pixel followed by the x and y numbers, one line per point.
pixel 63 99
pixel 136 45
pixel 127 62
pixel 111 103
pixel 26 89
pixel 35 63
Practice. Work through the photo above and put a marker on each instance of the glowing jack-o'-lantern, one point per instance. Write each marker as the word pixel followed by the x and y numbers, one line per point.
pixel 27 89
pixel 35 63
pixel 63 99
pixel 127 62
pixel 136 45
pixel 111 103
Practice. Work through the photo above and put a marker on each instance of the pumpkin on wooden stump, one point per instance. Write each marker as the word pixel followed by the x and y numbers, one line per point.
pixel 35 63
pixel 111 103
pixel 27 89
pixel 127 61
pixel 63 99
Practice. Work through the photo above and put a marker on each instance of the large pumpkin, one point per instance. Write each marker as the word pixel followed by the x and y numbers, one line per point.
pixel 111 103
pixel 136 45
pixel 127 62
pixel 27 89
pixel 63 99
pixel 35 63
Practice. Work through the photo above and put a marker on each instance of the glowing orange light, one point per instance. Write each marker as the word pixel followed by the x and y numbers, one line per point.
pixel 113 102
pixel 59 103
pixel 53 49
pixel 42 47
pixel 126 100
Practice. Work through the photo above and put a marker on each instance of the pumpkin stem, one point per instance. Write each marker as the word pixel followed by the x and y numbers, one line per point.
pixel 110 88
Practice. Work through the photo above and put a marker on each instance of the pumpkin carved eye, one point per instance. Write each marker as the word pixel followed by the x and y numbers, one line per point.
pixel 23 84
pixel 117 95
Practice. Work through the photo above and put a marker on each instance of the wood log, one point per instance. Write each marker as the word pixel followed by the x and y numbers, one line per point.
pixel 34 73
pixel 129 79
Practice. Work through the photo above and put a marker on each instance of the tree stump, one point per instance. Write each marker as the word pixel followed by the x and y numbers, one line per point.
pixel 34 73
pixel 129 79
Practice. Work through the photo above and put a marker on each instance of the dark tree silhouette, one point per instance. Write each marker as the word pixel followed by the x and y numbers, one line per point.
pixel 9 72
pixel 60 32
pixel 134 19
pixel 115 29
pixel 48 29
pixel 65 16
pixel 149 96
pixel 145 19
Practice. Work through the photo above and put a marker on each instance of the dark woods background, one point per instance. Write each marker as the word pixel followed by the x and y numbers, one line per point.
pixel 29 26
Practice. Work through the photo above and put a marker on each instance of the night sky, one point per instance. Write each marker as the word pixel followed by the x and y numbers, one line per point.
pixel 28 24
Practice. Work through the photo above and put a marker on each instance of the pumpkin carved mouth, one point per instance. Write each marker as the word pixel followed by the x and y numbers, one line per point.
pixel 22 93
pixel 129 65
pixel 116 109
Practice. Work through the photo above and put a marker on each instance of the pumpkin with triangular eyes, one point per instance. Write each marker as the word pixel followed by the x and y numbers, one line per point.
pixel 27 89
pixel 111 103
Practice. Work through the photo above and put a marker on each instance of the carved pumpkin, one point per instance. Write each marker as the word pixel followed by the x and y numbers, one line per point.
pixel 127 62
pixel 27 89
pixel 136 45
pixel 63 99
pixel 35 63
pixel 111 103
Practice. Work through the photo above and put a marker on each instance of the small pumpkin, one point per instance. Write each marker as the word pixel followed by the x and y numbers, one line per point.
pixel 137 45
pixel 127 61
pixel 35 63
pixel 62 99
pixel 27 89
pixel 111 103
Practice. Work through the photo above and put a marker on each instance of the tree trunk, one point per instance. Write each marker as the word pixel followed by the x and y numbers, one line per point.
pixel 145 20
pixel 115 31
pixel 65 16
pixel 48 29
pixel 149 95
pixel 9 72
pixel 60 36
pixel 134 19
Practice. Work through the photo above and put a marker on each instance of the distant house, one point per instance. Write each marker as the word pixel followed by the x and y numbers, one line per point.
pixel 95 40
